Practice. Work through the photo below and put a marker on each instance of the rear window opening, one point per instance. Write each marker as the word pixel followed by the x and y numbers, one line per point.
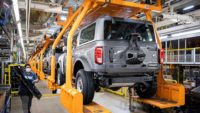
pixel 121 30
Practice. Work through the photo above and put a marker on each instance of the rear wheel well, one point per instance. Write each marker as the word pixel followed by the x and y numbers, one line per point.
pixel 78 65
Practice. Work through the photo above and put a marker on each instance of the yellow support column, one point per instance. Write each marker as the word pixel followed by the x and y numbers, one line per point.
pixel 51 80
pixel 41 73
pixel 75 98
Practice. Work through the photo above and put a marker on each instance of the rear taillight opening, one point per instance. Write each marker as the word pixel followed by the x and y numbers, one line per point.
pixel 98 55
pixel 161 56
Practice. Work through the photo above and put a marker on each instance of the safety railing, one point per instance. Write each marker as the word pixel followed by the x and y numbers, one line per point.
pixel 182 56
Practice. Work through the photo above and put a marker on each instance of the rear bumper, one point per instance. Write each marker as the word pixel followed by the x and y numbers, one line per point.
pixel 123 81
pixel 123 70
pixel 115 71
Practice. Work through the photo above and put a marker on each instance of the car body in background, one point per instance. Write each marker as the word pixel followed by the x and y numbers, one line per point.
pixel 47 60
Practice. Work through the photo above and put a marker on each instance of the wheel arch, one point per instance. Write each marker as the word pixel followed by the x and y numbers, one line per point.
pixel 57 65
pixel 81 64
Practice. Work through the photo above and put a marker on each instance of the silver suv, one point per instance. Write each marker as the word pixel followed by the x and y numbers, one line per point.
pixel 114 53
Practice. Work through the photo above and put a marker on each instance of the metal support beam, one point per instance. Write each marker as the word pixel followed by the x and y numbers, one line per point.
pixel 180 28
pixel 5 51
pixel 12 40
pixel 41 6
pixel 178 50
pixel 177 4
pixel 28 10
pixel 2 72
pixel 174 18
pixel 166 50
pixel 39 37
pixel 185 50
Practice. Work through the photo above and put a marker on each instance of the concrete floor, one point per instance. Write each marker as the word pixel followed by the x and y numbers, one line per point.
pixel 116 104
pixel 47 104
pixel 51 104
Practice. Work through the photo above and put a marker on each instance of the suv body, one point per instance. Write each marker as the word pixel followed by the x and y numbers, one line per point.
pixel 115 53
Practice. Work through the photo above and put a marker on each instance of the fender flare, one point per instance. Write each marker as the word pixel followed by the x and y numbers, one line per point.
pixel 86 65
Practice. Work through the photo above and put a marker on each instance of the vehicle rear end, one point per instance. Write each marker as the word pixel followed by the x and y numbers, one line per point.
pixel 129 48
pixel 129 53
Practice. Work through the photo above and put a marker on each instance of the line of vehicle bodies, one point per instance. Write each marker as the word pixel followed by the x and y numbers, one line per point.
pixel 89 11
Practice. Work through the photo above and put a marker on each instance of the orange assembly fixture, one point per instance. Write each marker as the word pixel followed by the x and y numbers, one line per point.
pixel 172 94
pixel 168 94
pixel 90 10
pixel 51 79
pixel 40 65
pixel 75 105
pixel 33 61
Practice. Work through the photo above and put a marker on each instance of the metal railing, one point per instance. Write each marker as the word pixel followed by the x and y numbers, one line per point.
pixel 182 56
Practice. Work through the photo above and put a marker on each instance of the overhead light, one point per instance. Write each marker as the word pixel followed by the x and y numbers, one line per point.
pixel 19 28
pixel 188 7
pixel 186 33
pixel 63 18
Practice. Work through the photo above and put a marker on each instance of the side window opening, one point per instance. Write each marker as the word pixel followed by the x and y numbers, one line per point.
pixel 74 42
pixel 121 29
pixel 87 34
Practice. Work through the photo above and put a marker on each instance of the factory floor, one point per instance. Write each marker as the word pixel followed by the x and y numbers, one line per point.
pixel 51 104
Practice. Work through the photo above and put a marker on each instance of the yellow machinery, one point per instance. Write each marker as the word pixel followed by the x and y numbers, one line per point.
pixel 37 58
pixel 168 94
pixel 40 60
pixel 171 94
pixel 33 61
pixel 36 62
pixel 51 79
pixel 6 76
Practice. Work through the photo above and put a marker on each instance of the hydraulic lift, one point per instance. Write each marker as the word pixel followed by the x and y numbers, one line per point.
pixel 168 94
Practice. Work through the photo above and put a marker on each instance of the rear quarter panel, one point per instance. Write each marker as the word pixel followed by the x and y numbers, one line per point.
pixel 85 54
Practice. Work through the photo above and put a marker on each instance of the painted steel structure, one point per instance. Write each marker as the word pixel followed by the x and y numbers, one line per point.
pixel 171 94
pixel 181 35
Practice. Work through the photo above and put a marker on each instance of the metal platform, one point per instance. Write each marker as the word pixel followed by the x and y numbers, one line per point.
pixel 156 102
pixel 95 108
pixel 168 94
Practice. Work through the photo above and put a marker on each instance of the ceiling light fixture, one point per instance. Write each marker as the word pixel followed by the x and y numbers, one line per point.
pixel 19 28
pixel 188 7
pixel 63 18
